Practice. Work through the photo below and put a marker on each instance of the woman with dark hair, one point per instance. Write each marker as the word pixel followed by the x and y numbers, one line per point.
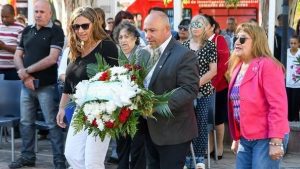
pixel 220 84
pixel 86 38
pixel 127 37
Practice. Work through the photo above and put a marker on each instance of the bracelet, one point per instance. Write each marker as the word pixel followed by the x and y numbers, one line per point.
pixel 275 144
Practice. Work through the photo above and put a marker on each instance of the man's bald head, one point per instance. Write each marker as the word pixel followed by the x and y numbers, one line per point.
pixel 161 16
pixel 42 13
pixel 157 28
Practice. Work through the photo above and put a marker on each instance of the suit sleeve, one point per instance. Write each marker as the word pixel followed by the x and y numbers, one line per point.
pixel 187 81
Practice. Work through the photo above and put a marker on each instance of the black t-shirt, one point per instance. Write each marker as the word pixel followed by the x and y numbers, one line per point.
pixel 76 71
pixel 36 45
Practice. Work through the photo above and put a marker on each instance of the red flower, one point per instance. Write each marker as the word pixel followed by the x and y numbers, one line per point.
pixel 94 123
pixel 133 77
pixel 124 114
pixel 105 76
pixel 137 67
pixel 128 66
pixel 109 124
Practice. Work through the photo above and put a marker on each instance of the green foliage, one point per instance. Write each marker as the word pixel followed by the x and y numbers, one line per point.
pixel 93 68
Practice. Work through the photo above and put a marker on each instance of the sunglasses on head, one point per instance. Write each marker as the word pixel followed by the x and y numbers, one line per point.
pixel 241 38
pixel 196 25
pixel 183 27
pixel 84 26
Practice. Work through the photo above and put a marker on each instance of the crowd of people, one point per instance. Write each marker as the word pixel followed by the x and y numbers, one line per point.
pixel 229 73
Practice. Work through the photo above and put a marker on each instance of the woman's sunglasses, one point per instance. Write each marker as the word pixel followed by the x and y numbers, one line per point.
pixel 242 39
pixel 84 26
pixel 196 25
pixel 183 27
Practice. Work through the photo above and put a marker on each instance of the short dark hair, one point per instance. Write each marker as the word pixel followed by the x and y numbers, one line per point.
pixel 129 28
pixel 122 15
pixel 10 9
pixel 185 22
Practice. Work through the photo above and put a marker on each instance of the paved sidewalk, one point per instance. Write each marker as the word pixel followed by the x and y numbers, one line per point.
pixel 44 158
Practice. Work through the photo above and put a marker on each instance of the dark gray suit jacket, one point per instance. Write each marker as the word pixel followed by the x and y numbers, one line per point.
pixel 177 67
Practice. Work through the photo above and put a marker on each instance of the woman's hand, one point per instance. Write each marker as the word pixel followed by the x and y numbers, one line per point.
pixel 235 146
pixel 276 149
pixel 60 118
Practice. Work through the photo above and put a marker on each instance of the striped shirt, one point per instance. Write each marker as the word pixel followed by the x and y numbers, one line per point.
pixel 235 96
pixel 10 35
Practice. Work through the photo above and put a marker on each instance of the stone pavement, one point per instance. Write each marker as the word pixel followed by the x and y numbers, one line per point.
pixel 44 157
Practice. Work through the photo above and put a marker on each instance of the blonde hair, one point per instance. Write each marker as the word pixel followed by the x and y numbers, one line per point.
pixel 98 32
pixel 202 20
pixel 260 47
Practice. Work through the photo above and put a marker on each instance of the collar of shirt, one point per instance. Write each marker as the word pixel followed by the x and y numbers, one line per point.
pixel 49 25
pixel 211 37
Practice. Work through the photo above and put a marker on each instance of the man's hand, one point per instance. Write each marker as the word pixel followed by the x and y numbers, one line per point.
pixel 276 149
pixel 60 118
pixel 23 74
pixel 28 82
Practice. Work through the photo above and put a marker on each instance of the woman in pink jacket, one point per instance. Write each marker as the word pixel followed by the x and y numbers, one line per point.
pixel 257 101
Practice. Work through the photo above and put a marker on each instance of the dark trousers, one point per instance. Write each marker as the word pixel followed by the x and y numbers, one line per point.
pixel 10 74
pixel 166 156
pixel 133 149
pixel 293 95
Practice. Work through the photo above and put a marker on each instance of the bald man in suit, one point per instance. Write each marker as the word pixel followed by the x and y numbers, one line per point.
pixel 168 139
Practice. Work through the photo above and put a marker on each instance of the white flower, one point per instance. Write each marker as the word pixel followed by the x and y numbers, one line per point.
pixel 118 70
pixel 96 77
pixel 100 124
pixel 110 107
pixel 81 91
pixel 106 117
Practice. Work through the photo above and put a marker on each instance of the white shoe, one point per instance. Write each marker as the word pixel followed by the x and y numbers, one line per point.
pixel 200 166
pixel 185 167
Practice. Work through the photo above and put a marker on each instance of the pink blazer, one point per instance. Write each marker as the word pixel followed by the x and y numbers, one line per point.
pixel 263 102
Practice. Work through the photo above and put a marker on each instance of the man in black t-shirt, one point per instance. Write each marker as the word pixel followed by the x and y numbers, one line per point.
pixel 35 60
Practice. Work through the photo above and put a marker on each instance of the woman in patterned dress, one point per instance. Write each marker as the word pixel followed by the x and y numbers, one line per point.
pixel 207 58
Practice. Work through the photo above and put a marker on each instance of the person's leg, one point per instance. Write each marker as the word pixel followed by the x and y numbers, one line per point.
pixel 200 143
pixel 75 148
pixel 27 123
pixel 137 152
pixel 244 155
pixel 123 150
pixel 48 99
pixel 220 137
pixel 173 156
pixel 95 152
pixel 152 155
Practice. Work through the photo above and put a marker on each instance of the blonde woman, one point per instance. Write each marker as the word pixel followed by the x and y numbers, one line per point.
pixel 207 60
pixel 86 38
pixel 257 101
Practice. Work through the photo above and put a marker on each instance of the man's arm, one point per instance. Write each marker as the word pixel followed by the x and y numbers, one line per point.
pixel 18 60
pixel 187 80
pixel 46 62
pixel 9 48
